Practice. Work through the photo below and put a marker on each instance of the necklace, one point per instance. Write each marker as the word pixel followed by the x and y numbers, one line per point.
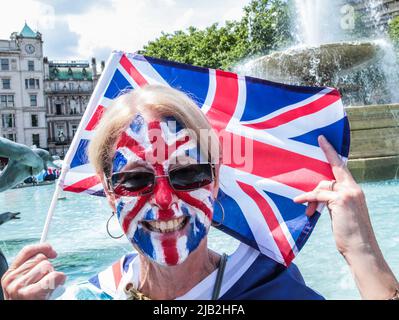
pixel 133 294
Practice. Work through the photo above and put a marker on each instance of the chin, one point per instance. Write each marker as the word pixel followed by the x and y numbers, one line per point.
pixel 171 247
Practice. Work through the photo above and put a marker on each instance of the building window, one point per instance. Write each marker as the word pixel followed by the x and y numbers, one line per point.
pixel 58 109
pixel 10 136
pixel 74 129
pixel 8 120
pixel 3 101
pixel 60 134
pixel 70 86
pixel 4 64
pixel 33 100
pixel 13 64
pixel 7 100
pixel 31 65
pixel 6 83
pixel 36 140
pixel 56 86
pixel 32 83
pixel 35 121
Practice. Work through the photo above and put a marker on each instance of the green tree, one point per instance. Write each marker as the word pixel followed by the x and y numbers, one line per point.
pixel 394 31
pixel 269 25
pixel 214 47
pixel 265 26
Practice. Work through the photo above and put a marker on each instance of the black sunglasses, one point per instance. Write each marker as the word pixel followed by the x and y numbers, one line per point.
pixel 137 183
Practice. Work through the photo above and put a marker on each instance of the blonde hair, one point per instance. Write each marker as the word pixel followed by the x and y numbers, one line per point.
pixel 156 100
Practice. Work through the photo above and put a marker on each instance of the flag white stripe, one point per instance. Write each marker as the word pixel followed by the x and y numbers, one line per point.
pixel 268 185
pixel 211 92
pixel 147 71
pixel 128 77
pixel 283 143
pixel 280 220
pixel 242 98
pixel 308 123
pixel 290 107
pixel 250 210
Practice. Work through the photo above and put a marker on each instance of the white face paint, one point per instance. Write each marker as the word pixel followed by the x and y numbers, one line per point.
pixel 165 225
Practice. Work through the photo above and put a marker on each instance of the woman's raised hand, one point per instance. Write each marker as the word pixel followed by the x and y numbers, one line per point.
pixel 345 201
pixel 352 229
pixel 32 276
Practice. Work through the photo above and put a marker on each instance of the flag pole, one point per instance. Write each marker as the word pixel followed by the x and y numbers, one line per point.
pixel 53 203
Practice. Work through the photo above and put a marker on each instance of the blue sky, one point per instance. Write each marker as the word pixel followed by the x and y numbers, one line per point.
pixel 76 29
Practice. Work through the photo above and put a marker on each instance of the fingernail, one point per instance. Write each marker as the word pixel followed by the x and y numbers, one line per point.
pixel 322 137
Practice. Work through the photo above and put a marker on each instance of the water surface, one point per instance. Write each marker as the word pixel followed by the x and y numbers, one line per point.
pixel 79 235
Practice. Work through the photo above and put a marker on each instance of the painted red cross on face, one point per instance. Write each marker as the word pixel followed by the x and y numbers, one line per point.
pixel 152 146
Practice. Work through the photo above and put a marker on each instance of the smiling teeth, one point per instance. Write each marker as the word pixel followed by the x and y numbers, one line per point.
pixel 166 226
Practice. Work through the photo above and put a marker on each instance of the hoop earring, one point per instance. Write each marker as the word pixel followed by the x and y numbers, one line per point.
pixel 221 222
pixel 109 233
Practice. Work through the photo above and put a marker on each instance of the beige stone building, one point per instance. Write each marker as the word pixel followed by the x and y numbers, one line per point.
pixel 22 105
pixel 41 101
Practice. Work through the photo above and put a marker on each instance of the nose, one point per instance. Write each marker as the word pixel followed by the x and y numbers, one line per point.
pixel 163 195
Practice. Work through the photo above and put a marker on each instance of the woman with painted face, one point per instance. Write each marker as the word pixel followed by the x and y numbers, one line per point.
pixel 158 159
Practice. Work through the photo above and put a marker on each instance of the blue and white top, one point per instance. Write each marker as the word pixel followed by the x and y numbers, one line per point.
pixel 248 275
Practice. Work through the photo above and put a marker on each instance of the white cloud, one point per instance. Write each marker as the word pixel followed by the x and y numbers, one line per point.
pixel 118 24
pixel 169 3
pixel 185 20
pixel 234 13
pixel 14 13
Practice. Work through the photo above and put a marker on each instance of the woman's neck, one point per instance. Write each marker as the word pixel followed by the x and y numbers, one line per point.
pixel 169 282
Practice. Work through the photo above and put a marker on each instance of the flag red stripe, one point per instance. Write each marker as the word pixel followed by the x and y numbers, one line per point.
pixel 271 220
pixel 132 71
pixel 95 118
pixel 225 100
pixel 116 270
pixel 83 185
pixel 293 169
pixel 299 112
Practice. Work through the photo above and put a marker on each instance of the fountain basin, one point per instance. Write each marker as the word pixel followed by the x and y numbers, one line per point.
pixel 364 72
pixel 313 65
pixel 374 153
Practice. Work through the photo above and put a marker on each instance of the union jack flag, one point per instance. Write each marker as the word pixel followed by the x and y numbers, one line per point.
pixel 281 122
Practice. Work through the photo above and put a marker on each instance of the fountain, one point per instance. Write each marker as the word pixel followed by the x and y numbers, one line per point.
pixel 328 54
pixel 365 71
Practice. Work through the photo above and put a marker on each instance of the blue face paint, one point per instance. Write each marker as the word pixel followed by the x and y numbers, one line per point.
pixel 119 162
pixel 197 232
pixel 137 124
pixel 142 239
